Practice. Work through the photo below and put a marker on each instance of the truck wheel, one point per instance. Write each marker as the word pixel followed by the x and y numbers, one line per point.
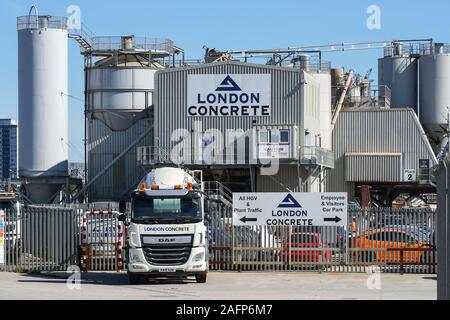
pixel 133 278
pixel 201 277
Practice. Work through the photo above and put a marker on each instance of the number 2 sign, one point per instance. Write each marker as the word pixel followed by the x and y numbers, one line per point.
pixel 409 175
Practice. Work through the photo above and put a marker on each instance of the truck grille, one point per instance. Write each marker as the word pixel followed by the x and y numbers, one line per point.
pixel 167 255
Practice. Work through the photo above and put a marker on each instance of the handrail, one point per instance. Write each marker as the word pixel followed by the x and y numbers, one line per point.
pixel 220 186
pixel 317 155
pixel 37 15
pixel 50 22
pixel 219 189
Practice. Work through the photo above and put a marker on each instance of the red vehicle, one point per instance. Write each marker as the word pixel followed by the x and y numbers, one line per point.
pixel 299 247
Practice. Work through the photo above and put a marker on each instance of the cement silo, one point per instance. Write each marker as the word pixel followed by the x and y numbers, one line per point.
pixel 119 87
pixel 324 79
pixel 435 91
pixel 43 117
pixel 399 71
pixel 119 83
pixel 320 71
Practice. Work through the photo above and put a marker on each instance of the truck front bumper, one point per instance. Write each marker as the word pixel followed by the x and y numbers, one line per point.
pixel 138 264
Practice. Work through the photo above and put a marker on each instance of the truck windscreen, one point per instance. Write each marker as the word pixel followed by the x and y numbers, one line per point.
pixel 154 208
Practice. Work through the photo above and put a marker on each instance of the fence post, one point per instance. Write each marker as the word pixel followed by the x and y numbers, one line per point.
pixel 402 269
pixel 443 230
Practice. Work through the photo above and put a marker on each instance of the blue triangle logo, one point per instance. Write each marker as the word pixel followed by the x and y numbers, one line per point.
pixel 228 84
pixel 289 202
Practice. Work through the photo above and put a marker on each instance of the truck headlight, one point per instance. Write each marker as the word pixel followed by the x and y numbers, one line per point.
pixel 135 258
pixel 199 256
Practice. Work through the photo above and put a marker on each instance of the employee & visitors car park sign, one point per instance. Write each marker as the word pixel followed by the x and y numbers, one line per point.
pixel 290 209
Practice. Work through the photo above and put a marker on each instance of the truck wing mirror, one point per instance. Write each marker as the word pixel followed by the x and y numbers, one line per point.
pixel 206 207
pixel 122 218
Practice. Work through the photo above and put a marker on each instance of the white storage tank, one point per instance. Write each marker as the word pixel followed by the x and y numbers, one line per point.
pixel 399 71
pixel 435 90
pixel 119 89
pixel 118 95
pixel 43 111
pixel 324 79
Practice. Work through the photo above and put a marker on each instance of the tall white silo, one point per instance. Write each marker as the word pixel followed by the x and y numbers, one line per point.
pixel 43 111
pixel 435 92
pixel 324 79
pixel 398 71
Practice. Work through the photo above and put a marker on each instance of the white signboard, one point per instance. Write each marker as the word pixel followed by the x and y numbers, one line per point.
pixel 273 151
pixel 290 209
pixel 2 237
pixel 221 95
pixel 409 175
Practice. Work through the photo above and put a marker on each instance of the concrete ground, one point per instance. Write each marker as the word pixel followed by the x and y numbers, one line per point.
pixel 222 286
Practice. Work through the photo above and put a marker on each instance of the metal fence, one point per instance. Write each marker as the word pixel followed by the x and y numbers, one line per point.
pixel 101 241
pixel 39 239
pixel 392 240
pixel 51 238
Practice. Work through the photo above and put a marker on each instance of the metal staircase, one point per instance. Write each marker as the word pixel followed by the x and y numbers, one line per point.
pixel 84 37
pixel 84 44
pixel 218 192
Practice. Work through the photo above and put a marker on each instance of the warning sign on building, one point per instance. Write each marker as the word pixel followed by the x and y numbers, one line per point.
pixel 290 209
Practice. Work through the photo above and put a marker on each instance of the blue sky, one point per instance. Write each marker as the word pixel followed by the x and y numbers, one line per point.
pixel 225 25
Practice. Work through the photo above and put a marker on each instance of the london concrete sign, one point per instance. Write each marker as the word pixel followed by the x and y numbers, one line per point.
pixel 290 209
pixel 232 95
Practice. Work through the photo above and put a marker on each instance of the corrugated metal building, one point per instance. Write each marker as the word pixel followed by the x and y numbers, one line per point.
pixel 104 145
pixel 287 135
pixel 292 123
pixel 171 103
pixel 375 147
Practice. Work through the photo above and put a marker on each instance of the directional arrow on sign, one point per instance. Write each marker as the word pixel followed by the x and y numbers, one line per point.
pixel 335 219
pixel 245 219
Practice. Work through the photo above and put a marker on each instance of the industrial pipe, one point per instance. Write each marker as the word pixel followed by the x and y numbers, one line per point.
pixel 341 99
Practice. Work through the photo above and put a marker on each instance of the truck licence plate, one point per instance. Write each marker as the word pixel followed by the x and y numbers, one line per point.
pixel 167 270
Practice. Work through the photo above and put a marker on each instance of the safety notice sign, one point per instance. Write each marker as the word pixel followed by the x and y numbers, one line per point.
pixel 290 209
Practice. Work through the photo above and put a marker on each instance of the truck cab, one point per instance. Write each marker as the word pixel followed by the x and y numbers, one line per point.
pixel 167 235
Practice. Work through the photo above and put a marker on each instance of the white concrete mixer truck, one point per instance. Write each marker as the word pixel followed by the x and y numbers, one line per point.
pixel 167 234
